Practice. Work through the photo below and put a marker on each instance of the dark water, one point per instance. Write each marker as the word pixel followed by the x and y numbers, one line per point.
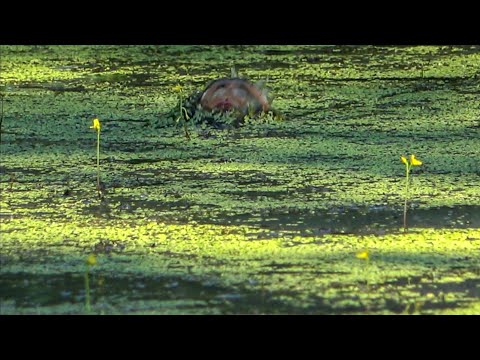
pixel 161 295
pixel 122 294
pixel 335 220
pixel 360 220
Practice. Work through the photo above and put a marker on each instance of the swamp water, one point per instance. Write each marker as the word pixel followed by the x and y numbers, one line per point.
pixel 269 218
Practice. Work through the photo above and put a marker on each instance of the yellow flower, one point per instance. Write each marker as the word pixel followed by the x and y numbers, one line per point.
pixel 414 161
pixel 177 88
pixel 362 254
pixel 91 260
pixel 96 124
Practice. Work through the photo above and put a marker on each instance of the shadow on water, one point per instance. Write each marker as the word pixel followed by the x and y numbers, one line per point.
pixel 128 295
pixel 33 293
pixel 356 220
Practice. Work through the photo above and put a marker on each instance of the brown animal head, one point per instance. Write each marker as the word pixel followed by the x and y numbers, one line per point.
pixel 234 94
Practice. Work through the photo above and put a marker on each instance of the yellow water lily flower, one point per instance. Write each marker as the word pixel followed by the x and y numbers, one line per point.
pixel 414 161
pixel 177 88
pixel 91 260
pixel 362 254
pixel 404 160
pixel 96 124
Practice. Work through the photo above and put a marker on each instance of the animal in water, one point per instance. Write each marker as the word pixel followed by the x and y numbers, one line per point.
pixel 223 103
pixel 235 95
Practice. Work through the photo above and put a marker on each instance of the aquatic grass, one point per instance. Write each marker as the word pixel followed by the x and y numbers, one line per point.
pixel 182 111
pixel 96 125
pixel 408 166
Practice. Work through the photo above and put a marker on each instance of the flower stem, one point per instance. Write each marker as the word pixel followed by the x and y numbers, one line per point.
pixel 98 163
pixel 406 198
pixel 87 292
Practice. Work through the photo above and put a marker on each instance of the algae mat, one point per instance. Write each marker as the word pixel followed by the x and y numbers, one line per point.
pixel 296 216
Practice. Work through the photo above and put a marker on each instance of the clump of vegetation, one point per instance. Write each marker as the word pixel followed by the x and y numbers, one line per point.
pixel 408 166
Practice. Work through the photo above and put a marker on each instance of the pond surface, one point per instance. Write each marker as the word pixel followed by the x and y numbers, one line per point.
pixel 300 215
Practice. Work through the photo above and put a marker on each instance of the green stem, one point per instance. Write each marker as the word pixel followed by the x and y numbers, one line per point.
pixel 406 198
pixel 187 135
pixel 87 291
pixel 98 163
pixel 183 111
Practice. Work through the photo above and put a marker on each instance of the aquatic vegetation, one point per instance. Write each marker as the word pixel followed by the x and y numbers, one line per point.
pixel 264 218
pixel 408 166
pixel 296 271
pixel 182 111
